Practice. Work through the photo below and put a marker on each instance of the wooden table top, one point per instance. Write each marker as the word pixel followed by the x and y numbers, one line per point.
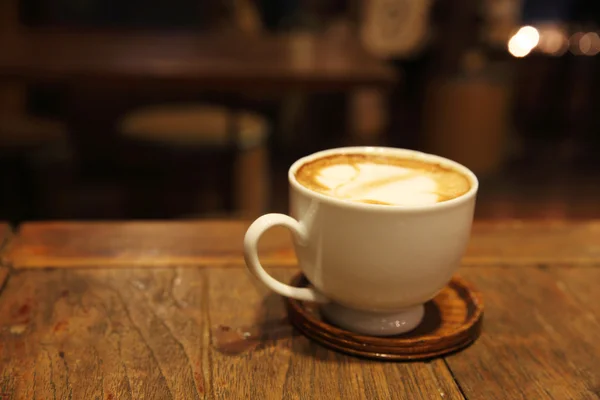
pixel 218 61
pixel 5 232
pixel 5 235
pixel 167 310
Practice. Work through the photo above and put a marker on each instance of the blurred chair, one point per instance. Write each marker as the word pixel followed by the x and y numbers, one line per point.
pixel 200 127
pixel 166 143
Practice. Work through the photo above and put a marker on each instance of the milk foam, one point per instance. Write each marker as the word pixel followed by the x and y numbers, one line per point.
pixel 369 182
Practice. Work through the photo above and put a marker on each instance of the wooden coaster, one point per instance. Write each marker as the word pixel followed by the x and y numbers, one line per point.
pixel 452 321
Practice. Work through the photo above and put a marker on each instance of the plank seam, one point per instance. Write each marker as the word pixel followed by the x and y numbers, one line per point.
pixel 456 382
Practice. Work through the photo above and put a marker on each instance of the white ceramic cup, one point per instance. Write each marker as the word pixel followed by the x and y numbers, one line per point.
pixel 373 266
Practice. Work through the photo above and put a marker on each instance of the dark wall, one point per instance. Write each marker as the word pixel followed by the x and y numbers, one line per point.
pixel 116 13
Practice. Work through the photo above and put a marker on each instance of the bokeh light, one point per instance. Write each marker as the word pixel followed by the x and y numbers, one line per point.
pixel 589 44
pixel 574 43
pixel 553 41
pixel 522 42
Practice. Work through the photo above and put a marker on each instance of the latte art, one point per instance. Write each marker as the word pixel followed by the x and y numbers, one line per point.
pixel 384 180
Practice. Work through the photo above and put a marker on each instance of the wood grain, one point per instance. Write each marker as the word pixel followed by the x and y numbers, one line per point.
pixel 181 333
pixel 4 272
pixel 125 244
pixel 533 242
pixel 216 333
pixel 540 335
pixel 5 234
pixel 218 61
pixel 110 334
pixel 256 353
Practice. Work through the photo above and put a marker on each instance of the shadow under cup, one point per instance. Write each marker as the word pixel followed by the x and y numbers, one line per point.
pixel 373 266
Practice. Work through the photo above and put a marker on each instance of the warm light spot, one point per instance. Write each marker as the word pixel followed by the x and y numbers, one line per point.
pixel 574 43
pixel 553 41
pixel 515 48
pixel 589 44
pixel 529 36
pixel 523 41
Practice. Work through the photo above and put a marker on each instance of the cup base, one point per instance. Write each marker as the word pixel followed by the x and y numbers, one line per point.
pixel 371 323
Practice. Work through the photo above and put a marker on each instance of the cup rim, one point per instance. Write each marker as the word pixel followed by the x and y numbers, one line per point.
pixel 384 150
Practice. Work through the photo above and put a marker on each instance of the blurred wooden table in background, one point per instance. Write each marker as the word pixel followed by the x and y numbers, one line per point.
pixel 217 61
pixel 167 310
pixel 99 76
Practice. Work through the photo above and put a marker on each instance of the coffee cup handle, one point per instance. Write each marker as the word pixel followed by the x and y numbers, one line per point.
pixel 253 234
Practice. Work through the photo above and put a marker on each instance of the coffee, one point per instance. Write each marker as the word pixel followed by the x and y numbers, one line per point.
pixel 382 179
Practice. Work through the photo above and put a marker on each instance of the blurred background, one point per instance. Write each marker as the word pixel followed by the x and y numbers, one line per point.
pixel 196 108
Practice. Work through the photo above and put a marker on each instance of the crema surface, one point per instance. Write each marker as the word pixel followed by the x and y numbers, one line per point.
pixel 385 180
